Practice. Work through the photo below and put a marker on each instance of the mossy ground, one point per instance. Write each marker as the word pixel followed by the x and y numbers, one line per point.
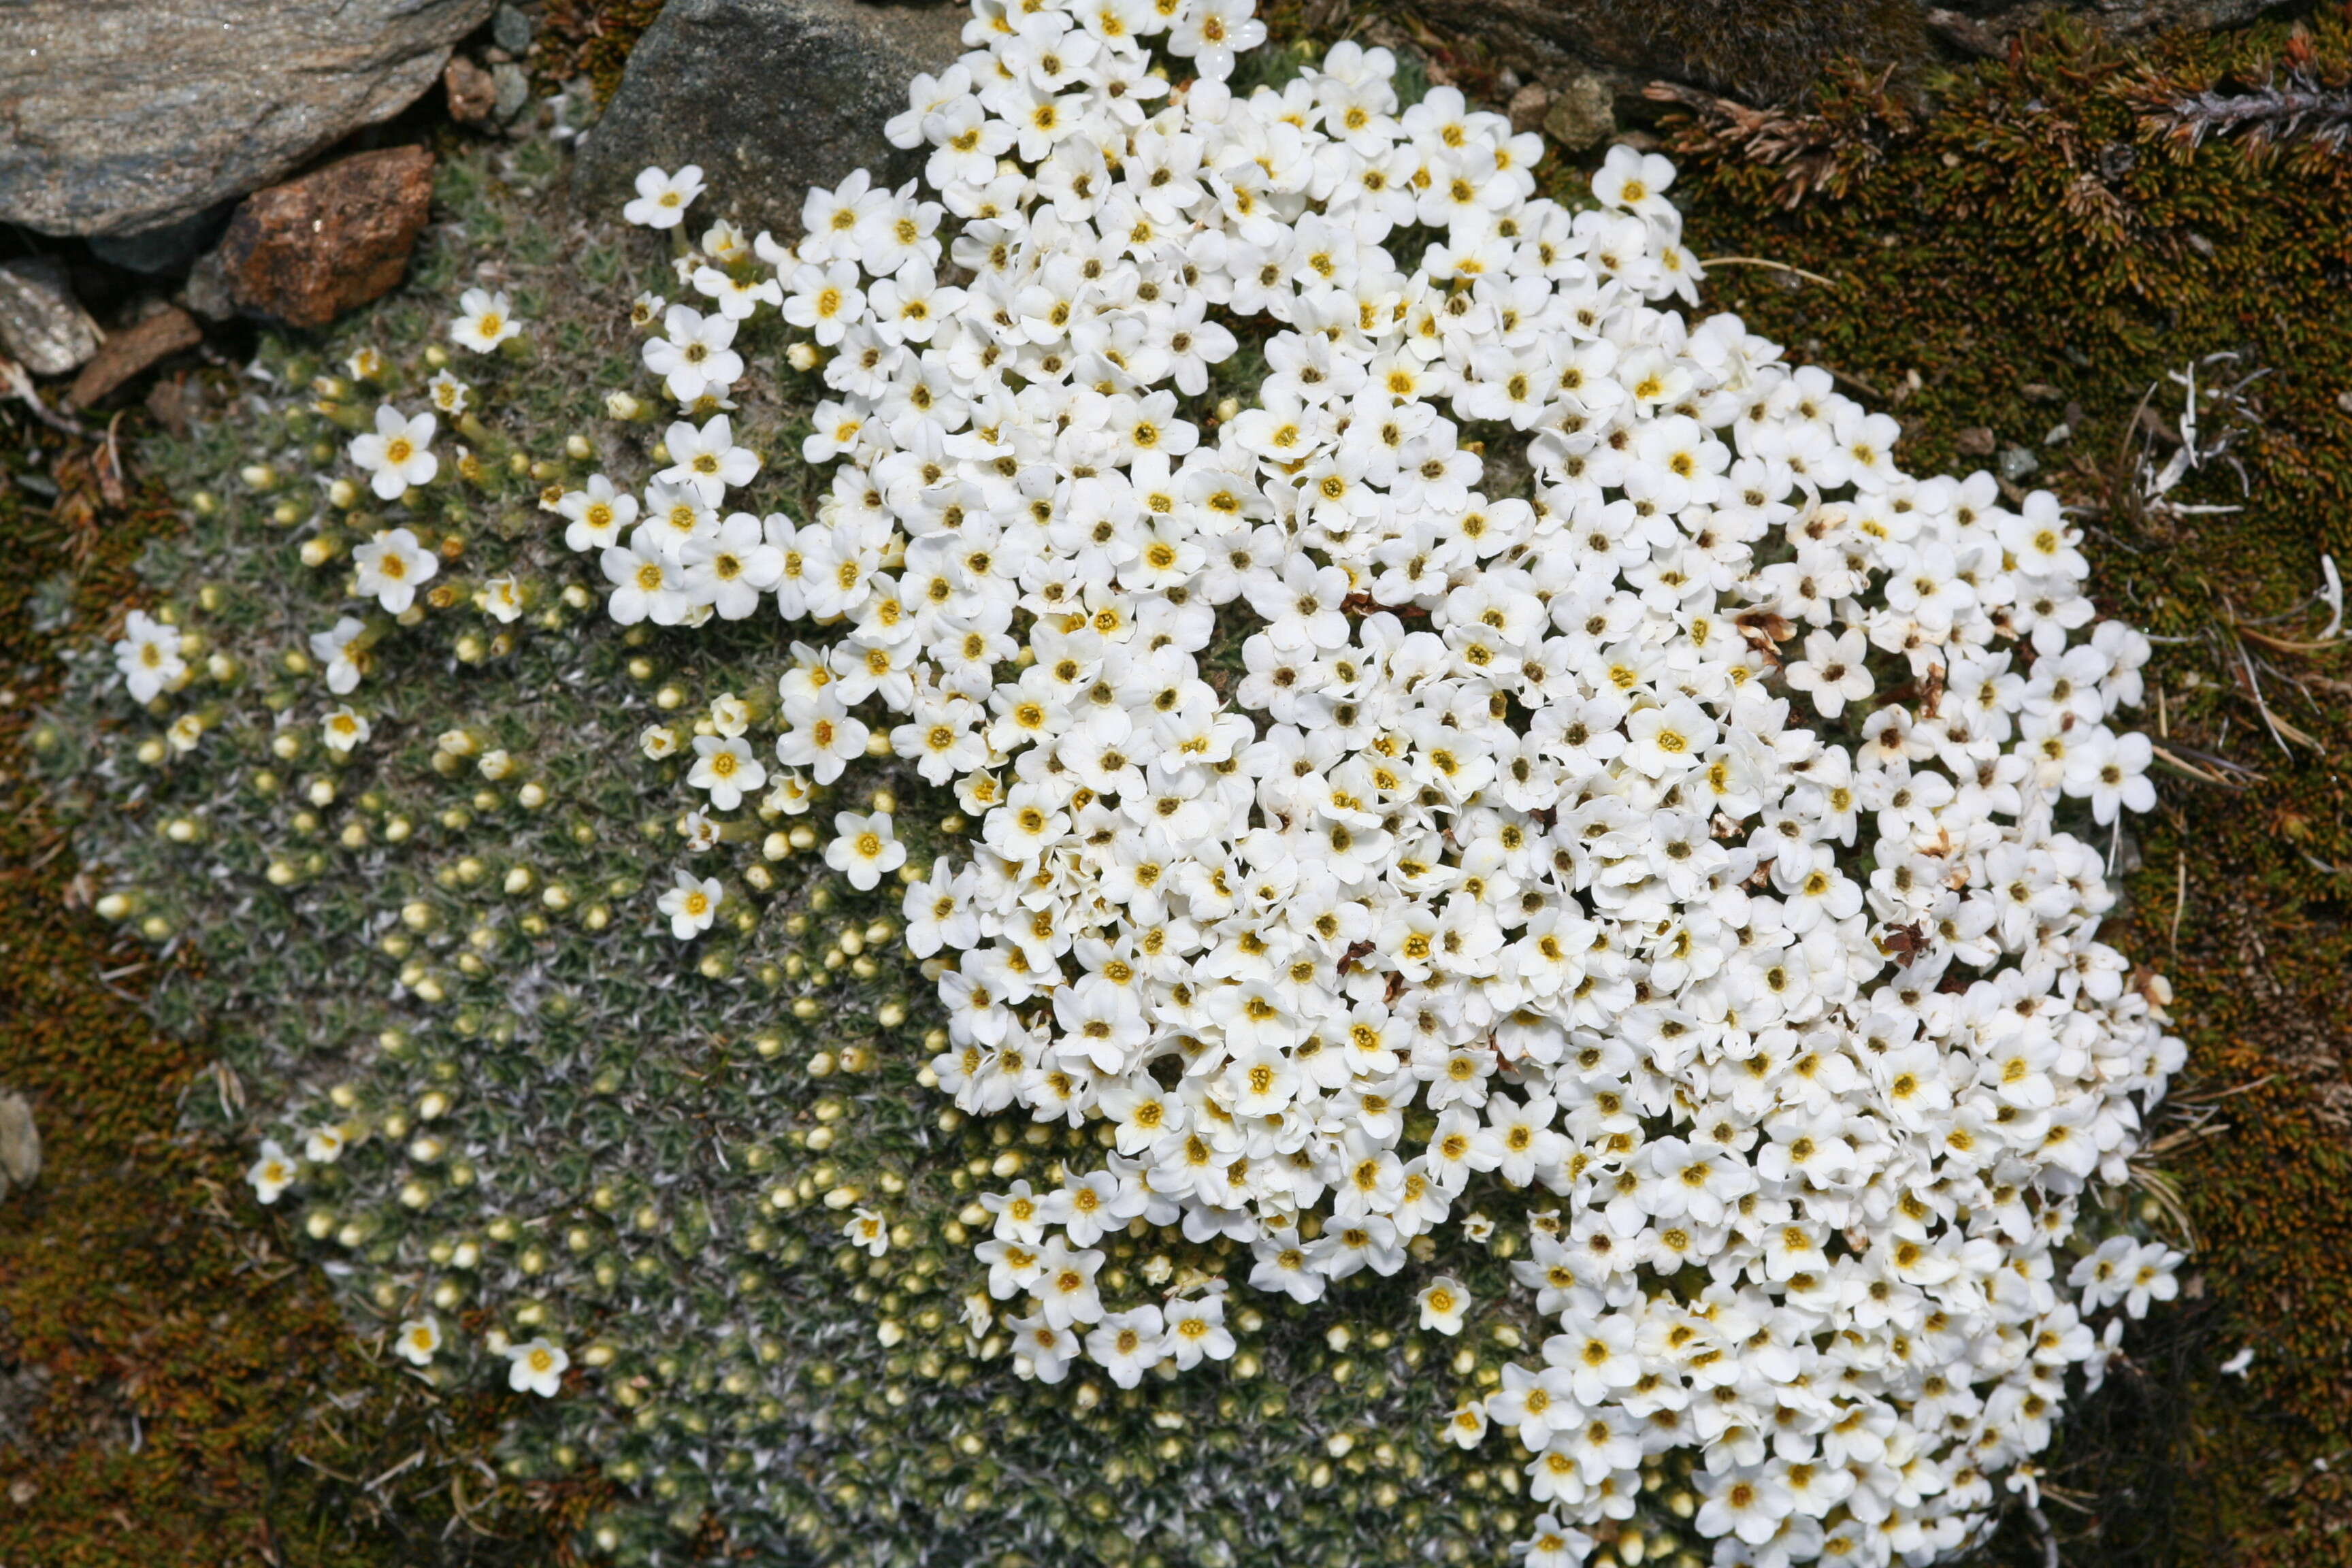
pixel 181 1391
pixel 2027 257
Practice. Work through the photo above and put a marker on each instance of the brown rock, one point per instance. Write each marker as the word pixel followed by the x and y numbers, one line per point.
pixel 306 251
pixel 472 92
pixel 132 349
pixel 1527 106
pixel 1582 113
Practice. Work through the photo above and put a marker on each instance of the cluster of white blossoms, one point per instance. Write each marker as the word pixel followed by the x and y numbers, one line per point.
pixel 1650 794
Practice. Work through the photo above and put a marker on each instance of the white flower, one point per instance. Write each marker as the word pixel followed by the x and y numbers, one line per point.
pixel 1210 32
pixel 597 514
pixel 1128 1344
pixel 1442 1302
pixel 821 737
pixel 1467 1426
pixel 867 1230
pixel 1196 1330
pixel 185 731
pixel 694 357
pixel 1749 1502
pixel 337 649
pixel 658 740
pixel 449 395
pixel 272 1173
pixel 1553 1545
pixel 725 766
pixel 392 567
pixel 864 848
pixel 342 730
pixel 397 453
pixel 707 461
pixel 1627 178
pixel 416 1339
pixel 500 598
pixel 1042 1350
pixel 790 797
pixel 645 585
pixel 1833 670
pixel 485 319
pixel 662 199
pixel 730 715
pixel 149 657
pixel 692 905
pixel 536 1367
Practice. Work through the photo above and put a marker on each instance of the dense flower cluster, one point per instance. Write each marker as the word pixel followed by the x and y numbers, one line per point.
pixel 1540 739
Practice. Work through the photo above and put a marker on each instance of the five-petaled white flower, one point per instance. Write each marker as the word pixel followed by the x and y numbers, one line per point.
pixel 864 848
pixel 415 1340
pixel 149 657
pixel 397 453
pixel 867 1231
pixel 343 728
pixel 662 198
pixel 536 1367
pixel 485 319
pixel 391 566
pixel 692 905
pixel 1442 1302
pixel 725 766
pixel 707 461
pixel 271 1174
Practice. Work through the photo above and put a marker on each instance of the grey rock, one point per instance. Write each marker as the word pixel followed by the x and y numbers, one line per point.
pixel 168 251
pixel 1583 112
pixel 2016 462
pixel 42 326
pixel 206 292
pixel 20 1142
pixel 118 117
pixel 769 96
pixel 473 93
pixel 511 30
pixel 512 87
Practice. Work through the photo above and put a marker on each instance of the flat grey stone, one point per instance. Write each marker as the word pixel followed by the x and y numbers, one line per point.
pixel 118 117
pixel 42 326
pixel 769 96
